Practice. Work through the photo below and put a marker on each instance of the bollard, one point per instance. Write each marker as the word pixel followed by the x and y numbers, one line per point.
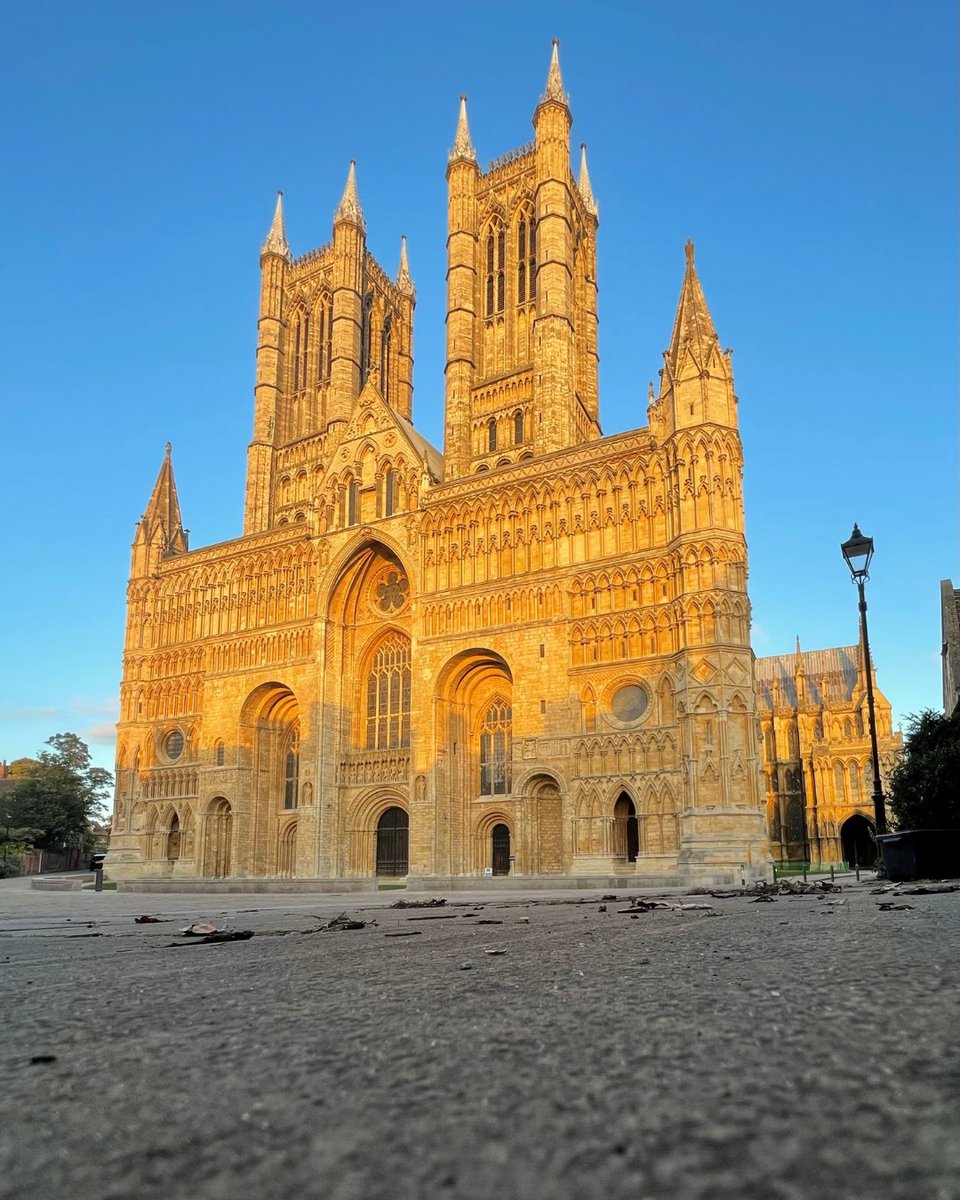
pixel 831 872
pixel 804 870
pixel 98 879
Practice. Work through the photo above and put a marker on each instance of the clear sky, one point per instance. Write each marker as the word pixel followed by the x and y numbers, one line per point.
pixel 809 150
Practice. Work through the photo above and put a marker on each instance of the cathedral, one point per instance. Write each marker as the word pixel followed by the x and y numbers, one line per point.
pixel 527 656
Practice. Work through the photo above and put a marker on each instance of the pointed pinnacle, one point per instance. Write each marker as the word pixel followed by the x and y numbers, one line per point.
pixel 276 240
pixel 583 184
pixel 462 146
pixel 404 282
pixel 554 90
pixel 349 208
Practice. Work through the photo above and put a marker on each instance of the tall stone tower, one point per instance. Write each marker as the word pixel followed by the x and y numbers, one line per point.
pixel 331 322
pixel 521 373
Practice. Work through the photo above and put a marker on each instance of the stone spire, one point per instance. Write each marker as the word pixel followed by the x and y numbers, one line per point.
pixel 693 328
pixel 462 146
pixel 583 184
pixel 276 239
pixel 554 89
pixel 349 208
pixel 404 282
pixel 161 522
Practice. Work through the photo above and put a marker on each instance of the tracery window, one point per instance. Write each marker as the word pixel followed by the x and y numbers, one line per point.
pixel 291 769
pixel 496 750
pixel 492 435
pixel 532 258
pixel 353 503
pixel 518 428
pixel 388 695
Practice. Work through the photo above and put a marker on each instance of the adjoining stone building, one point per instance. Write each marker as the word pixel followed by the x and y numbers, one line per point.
pixel 529 654
pixel 950 652
pixel 817 761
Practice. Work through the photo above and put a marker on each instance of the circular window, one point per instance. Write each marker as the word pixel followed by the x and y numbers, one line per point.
pixel 390 595
pixel 629 703
pixel 173 745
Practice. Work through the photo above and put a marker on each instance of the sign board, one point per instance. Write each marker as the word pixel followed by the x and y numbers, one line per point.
pixel 488 872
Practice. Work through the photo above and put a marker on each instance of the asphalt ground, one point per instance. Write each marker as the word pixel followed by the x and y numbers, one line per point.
pixel 799 1048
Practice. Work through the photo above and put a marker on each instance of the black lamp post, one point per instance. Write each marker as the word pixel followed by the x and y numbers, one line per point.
pixel 857 553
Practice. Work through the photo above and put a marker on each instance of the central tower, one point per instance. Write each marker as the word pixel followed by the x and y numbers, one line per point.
pixel 521 371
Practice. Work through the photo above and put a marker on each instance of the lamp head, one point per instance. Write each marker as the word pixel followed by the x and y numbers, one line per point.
pixel 857 552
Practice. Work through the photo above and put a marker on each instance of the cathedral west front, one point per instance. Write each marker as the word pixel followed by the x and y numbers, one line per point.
pixel 526 656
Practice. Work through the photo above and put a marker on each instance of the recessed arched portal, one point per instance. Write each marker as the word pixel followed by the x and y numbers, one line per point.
pixel 500 836
pixel 857 840
pixel 393 843
pixel 626 828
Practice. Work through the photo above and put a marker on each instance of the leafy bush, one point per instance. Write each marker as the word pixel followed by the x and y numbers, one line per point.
pixel 925 785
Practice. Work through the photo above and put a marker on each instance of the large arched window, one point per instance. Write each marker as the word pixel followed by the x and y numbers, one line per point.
pixel 388 695
pixel 496 750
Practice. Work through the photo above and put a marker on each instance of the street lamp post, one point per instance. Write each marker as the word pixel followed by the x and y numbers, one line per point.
pixel 857 553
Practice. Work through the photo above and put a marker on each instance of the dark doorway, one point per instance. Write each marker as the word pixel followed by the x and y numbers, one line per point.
pixel 856 838
pixel 501 850
pixel 626 829
pixel 393 841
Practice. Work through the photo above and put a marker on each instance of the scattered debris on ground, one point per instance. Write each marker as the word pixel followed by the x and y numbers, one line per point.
pixel 418 904
pixel 339 923
pixel 495 952
pixel 35 1059
pixel 200 929
pixel 210 939
pixel 435 917
pixel 889 906
pixel 147 920
pixel 404 933
pixel 466 966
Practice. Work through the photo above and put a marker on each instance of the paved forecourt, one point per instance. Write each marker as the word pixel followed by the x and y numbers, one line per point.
pixel 492 1046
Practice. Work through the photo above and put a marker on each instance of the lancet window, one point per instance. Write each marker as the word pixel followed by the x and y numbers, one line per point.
pixel 291 769
pixel 496 251
pixel 388 695
pixel 324 339
pixel 496 750
pixel 366 335
pixel 301 350
pixel 492 434
pixel 526 259
pixel 385 337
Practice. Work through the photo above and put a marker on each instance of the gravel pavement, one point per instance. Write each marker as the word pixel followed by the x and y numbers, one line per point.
pixel 799 1048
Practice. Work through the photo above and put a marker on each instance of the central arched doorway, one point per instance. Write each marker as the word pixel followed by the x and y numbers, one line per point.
pixel 393 843
pixel 857 841
pixel 626 829
pixel 500 837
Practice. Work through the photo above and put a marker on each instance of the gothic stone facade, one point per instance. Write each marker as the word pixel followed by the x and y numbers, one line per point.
pixel 816 755
pixel 527 655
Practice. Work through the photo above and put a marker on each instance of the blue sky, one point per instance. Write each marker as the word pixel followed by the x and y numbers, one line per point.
pixel 809 150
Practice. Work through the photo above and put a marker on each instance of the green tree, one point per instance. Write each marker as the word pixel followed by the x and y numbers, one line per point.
pixel 60 796
pixel 925 785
